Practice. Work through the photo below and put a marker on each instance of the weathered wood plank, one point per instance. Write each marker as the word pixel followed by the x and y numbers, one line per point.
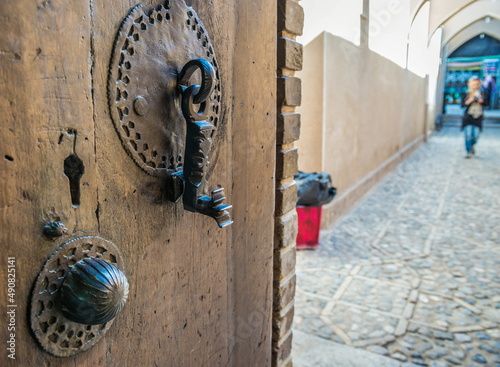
pixel 45 89
pixel 177 313
pixel 254 139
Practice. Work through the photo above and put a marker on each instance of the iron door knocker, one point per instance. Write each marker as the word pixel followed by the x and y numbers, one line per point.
pixel 198 144
pixel 165 111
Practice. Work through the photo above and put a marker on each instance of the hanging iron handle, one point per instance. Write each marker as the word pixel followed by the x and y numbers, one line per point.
pixel 199 144
pixel 207 78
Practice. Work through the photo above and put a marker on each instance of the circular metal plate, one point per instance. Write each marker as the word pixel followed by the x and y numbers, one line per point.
pixel 150 50
pixel 56 334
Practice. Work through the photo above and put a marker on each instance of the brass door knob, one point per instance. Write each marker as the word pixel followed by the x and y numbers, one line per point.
pixel 93 292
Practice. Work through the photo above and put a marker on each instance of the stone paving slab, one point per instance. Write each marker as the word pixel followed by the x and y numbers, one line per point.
pixel 412 273
pixel 319 352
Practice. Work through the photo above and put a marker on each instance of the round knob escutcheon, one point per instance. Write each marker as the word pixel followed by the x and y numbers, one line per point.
pixel 93 292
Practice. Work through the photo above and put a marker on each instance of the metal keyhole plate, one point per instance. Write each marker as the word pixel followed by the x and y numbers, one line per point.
pixel 150 50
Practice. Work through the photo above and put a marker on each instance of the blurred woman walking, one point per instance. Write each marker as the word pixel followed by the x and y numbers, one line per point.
pixel 472 123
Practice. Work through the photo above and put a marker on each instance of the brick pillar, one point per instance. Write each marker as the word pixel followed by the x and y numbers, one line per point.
pixel 290 24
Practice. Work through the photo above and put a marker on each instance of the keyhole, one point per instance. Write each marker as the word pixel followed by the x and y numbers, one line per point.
pixel 74 169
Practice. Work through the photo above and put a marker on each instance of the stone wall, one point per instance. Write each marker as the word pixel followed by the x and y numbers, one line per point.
pixel 290 24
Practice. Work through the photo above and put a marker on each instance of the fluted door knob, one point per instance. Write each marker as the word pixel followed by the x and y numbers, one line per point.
pixel 93 292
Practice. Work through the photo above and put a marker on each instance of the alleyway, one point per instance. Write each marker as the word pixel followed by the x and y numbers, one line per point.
pixel 413 272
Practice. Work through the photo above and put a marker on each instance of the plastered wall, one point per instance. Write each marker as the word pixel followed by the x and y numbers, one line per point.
pixel 358 110
pixel 311 135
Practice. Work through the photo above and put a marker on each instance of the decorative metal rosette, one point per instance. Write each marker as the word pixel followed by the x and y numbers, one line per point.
pixel 150 50
pixel 57 334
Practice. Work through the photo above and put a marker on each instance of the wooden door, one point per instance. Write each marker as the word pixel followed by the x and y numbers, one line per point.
pixel 199 295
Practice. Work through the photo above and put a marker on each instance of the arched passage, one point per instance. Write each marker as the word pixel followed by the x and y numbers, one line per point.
pixel 458 22
pixel 490 28
pixel 478 56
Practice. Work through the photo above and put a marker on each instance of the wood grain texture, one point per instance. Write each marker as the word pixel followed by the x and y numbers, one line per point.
pixel 46 115
pixel 254 140
pixel 199 295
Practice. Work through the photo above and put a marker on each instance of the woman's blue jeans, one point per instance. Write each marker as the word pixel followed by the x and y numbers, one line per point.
pixel 471 136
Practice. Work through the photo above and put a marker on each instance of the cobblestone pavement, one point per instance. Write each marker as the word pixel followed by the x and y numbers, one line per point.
pixel 413 271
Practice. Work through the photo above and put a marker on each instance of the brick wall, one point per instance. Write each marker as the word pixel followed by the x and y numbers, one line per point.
pixel 290 24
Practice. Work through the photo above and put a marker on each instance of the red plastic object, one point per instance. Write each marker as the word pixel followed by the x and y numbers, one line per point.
pixel 309 226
